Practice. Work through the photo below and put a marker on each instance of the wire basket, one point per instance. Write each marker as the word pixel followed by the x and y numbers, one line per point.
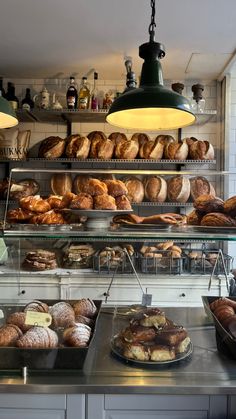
pixel 162 264
pixel 107 264
pixel 205 260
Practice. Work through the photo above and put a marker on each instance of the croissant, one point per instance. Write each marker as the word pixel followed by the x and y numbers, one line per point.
pixel 77 336
pixel 38 337
pixel 18 319
pixel 34 203
pixel 62 314
pixel 85 307
pixel 9 335
pixel 37 305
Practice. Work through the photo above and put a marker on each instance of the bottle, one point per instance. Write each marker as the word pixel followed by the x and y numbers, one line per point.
pixel 198 101
pixel 178 87
pixel 27 103
pixel 2 90
pixel 72 94
pixel 84 95
pixel 11 97
pixel 130 77
pixel 94 93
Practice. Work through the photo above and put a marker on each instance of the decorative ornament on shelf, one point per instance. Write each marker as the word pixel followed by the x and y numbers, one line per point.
pixel 151 106
pixel 198 101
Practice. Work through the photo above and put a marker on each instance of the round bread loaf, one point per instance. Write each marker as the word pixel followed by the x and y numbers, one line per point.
pixel 61 183
pixel 199 185
pixel 124 148
pixel 79 182
pixel 25 187
pixel 178 189
pixel 95 137
pixel 200 150
pixel 230 206
pixel 176 150
pixel 135 189
pixel 155 189
pixel 77 147
pixel 208 203
pixel 52 148
pixel 218 219
pixel 194 218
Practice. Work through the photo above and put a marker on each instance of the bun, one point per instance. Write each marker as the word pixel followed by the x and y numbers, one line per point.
pixel 178 189
pixel 230 206
pixel 18 215
pixel 116 188
pixel 77 147
pixel 208 203
pixel 155 189
pixel 82 201
pixel 50 217
pixel 34 204
pixel 52 148
pixel 55 201
pixel 9 335
pixel 153 317
pixel 62 315
pixel 123 203
pixel 85 307
pixel 37 305
pixel 38 337
pixel 199 185
pixel 135 189
pixel 176 150
pixel 218 219
pixel 94 187
pixel 200 150
pixel 104 202
pixel 77 335
pixel 61 183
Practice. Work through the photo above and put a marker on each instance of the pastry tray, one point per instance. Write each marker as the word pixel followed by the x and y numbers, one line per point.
pixel 154 364
pixel 13 358
pixel 226 343
pixel 142 226
pixel 210 229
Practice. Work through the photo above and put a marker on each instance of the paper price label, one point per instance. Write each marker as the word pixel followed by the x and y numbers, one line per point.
pixel 34 318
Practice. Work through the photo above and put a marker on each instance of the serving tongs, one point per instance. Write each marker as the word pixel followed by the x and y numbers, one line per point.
pixel 146 298
pixel 219 258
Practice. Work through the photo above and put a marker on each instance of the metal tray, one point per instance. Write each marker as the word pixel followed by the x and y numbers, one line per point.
pixel 211 229
pixel 154 364
pixel 43 359
pixel 45 227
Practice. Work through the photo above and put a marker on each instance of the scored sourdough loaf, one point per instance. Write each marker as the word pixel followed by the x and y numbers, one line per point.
pixel 176 150
pixel 61 183
pixel 178 189
pixel 77 147
pixel 52 148
pixel 200 149
pixel 101 146
pixel 199 185
pixel 155 189
pixel 135 189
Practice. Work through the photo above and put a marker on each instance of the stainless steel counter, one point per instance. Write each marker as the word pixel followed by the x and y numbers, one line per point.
pixel 206 372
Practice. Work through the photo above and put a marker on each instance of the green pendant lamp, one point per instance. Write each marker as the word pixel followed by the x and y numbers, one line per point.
pixel 8 117
pixel 152 106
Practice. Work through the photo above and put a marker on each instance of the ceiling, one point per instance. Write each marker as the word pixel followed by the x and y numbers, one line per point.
pixel 56 38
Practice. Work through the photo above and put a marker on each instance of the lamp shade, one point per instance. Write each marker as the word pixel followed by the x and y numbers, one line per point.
pixel 8 117
pixel 152 106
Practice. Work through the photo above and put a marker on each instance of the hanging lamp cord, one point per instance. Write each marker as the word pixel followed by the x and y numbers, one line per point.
pixel 152 25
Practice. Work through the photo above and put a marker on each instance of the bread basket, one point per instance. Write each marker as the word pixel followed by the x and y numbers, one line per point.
pixel 226 343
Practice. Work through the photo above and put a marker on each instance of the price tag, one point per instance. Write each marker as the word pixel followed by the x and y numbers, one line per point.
pixel 34 318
